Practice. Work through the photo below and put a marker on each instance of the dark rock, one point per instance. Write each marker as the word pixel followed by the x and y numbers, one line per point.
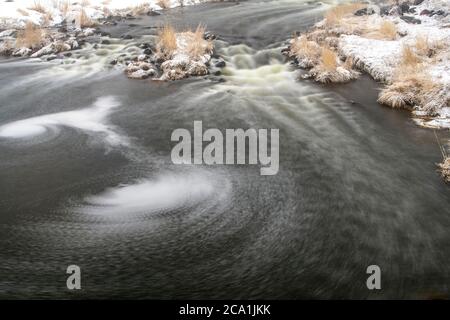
pixel 440 12
pixel 68 54
pixel 417 2
pixel 209 36
pixel 148 51
pixel 144 45
pixel 217 73
pixel 113 62
pixel 105 34
pixel 127 37
pixel 96 46
pixel 106 42
pixel 411 20
pixel 52 57
pixel 220 64
pixel 426 12
pixel 384 10
pixel 404 7
pixel 412 10
pixel 221 80
pixel 364 12
pixel 153 13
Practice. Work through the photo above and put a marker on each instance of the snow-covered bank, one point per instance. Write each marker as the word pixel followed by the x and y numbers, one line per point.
pixel 40 27
pixel 16 14
pixel 407 46
pixel 404 44
pixel 175 56
pixel 50 29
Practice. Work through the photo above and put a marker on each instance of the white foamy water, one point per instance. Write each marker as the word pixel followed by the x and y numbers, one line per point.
pixel 92 120
pixel 165 192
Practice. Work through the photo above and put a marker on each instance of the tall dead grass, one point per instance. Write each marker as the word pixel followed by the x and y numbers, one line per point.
pixel 83 20
pixel 409 58
pixel 307 52
pixel 63 6
pixel 331 69
pixel 190 42
pixel 167 41
pixel 388 30
pixel 411 87
pixel 445 169
pixel 334 16
pixel 31 36
pixel 197 45
pixel 140 9
pixel 164 4
pixel 38 6
pixel 328 59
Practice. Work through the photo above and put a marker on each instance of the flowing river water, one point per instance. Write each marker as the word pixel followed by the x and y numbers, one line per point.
pixel 86 177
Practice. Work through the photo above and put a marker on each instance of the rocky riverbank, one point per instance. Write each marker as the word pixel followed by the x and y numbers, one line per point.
pixel 404 44
pixel 50 32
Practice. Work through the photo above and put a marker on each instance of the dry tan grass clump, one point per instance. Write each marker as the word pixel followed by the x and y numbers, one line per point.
pixel 31 36
pixel 191 43
pixel 38 6
pixel 63 6
pixel 167 41
pixel 197 45
pixel 328 59
pixel 334 16
pixel 165 4
pixel 47 18
pixel 330 68
pixel 388 30
pixel 428 48
pixel 307 52
pixel 422 45
pixel 140 9
pixel 409 58
pixel 445 169
pixel 413 87
pixel 84 21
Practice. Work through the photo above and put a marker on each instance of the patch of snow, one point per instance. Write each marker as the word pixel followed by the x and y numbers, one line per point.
pixel 17 13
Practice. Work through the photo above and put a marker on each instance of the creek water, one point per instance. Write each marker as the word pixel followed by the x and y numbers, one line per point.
pixel 86 176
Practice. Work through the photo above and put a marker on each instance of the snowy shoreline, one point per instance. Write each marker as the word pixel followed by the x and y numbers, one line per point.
pixel 50 13
pixel 356 40
pixel 403 44
pixel 51 29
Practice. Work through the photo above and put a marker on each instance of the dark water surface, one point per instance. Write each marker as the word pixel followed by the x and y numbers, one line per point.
pixel 96 187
